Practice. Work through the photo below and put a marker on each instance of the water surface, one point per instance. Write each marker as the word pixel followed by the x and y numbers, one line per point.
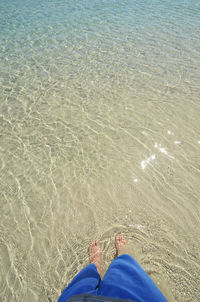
pixel 99 134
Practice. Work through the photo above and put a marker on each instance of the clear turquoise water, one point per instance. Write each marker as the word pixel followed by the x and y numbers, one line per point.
pixel 99 133
pixel 159 38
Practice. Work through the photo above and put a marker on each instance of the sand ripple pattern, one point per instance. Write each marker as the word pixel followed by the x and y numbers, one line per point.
pixel 99 134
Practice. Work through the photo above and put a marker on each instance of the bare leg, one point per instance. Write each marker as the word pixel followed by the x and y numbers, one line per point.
pixel 95 254
pixel 121 245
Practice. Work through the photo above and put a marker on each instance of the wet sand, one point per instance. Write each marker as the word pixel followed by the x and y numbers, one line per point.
pixel 99 134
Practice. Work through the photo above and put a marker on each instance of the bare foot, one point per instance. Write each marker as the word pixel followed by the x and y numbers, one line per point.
pixel 121 244
pixel 95 254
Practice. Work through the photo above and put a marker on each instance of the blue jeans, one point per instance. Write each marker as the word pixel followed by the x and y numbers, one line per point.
pixel 124 279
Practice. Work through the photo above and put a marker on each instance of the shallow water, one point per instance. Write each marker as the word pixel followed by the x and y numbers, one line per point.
pixel 99 134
